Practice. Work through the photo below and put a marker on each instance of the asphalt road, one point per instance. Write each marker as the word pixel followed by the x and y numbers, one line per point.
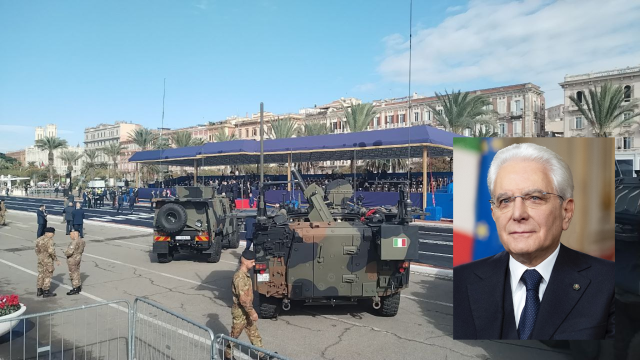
pixel 118 264
pixel 436 241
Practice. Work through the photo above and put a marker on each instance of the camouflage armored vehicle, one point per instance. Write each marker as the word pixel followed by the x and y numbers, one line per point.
pixel 195 221
pixel 333 251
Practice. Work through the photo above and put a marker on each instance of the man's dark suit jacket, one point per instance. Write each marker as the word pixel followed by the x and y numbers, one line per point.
pixel 483 304
pixel 42 220
pixel 78 216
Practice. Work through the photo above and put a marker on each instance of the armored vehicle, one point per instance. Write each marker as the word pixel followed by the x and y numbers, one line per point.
pixel 195 221
pixel 334 251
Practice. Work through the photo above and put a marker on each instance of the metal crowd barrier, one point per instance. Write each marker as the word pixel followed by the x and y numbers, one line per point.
pixel 97 331
pixel 159 333
pixel 242 349
pixel 111 330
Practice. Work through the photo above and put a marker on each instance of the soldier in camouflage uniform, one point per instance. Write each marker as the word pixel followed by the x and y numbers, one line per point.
pixel 74 256
pixel 45 250
pixel 3 213
pixel 244 316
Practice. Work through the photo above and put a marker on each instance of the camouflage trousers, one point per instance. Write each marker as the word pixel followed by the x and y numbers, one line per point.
pixel 242 321
pixel 2 219
pixel 74 271
pixel 45 273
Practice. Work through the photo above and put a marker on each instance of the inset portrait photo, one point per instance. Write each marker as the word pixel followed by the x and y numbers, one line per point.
pixel 534 238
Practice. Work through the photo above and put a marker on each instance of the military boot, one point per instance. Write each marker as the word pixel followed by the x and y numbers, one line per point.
pixel 48 294
pixel 74 291
pixel 39 292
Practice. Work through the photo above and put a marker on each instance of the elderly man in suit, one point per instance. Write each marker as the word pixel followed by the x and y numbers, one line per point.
pixel 537 288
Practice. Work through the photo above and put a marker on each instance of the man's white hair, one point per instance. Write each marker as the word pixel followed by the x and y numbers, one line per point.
pixel 558 169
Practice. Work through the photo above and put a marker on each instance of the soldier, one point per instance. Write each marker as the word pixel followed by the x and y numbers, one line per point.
pixel 74 256
pixel 67 212
pixel 45 250
pixel 243 314
pixel 3 213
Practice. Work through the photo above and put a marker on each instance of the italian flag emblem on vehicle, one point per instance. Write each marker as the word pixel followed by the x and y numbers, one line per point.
pixel 399 242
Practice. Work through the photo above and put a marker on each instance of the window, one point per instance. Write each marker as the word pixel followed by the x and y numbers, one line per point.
pixel 626 115
pixel 429 115
pixel 579 96
pixel 503 128
pixel 502 107
pixel 627 93
pixel 578 122
pixel 488 107
pixel 467 132
pixel 518 106
pixel 246 132
pixel 517 128
pixel 255 131
pixel 389 120
pixel 440 111
pixel 401 119
pixel 376 120
pixel 416 117
pixel 627 142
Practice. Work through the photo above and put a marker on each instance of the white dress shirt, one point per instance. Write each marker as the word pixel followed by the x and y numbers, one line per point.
pixel 519 290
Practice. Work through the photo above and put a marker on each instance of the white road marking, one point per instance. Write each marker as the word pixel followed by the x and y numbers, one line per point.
pixel 430 253
pixel 431 301
pixel 95 298
pixel 130 243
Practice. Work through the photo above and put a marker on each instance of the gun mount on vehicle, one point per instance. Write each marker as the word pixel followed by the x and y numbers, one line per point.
pixel 333 251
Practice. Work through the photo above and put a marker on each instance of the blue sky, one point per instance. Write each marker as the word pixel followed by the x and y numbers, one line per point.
pixel 80 63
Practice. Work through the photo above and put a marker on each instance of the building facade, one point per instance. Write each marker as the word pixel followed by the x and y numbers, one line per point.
pixel 626 137
pixel 19 155
pixel 104 134
pixel 554 120
pixel 51 130
pixel 41 159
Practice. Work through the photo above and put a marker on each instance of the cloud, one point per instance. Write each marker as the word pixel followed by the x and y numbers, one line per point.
pixel 453 8
pixel 510 42
pixel 17 129
pixel 364 87
pixel 202 4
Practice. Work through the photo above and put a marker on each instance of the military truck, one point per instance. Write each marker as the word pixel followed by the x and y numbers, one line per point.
pixel 195 221
pixel 333 252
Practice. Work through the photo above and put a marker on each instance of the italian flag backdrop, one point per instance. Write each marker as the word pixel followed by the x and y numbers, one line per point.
pixel 474 231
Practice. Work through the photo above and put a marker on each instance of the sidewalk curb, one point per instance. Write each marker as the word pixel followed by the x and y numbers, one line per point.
pixel 96 222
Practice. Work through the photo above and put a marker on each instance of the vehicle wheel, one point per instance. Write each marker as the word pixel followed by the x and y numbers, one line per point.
pixel 390 305
pixel 234 241
pixel 214 256
pixel 269 306
pixel 165 258
pixel 171 218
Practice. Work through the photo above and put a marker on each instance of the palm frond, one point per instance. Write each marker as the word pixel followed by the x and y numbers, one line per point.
pixel 282 128
pixel 359 116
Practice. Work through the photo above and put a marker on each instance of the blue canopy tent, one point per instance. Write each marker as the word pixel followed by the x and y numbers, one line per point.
pixel 405 142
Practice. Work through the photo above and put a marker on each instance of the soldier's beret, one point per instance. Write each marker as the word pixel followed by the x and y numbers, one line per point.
pixel 249 255
pixel 50 230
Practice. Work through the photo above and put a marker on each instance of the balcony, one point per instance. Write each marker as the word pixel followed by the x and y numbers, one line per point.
pixel 516 114
pixel 633 149
pixel 538 115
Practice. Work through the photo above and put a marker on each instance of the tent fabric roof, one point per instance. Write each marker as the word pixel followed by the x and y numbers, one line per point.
pixel 378 144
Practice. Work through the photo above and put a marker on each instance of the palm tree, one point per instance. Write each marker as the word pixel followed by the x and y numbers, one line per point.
pixel 143 138
pixel 184 139
pixel 359 116
pixel 605 110
pixel 161 143
pixel 113 150
pixel 90 165
pixel 311 128
pixel 51 143
pixel 461 111
pixel 282 128
pixel 70 157
pixel 222 136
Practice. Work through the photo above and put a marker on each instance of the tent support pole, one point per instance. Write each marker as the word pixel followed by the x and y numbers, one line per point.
pixel 289 172
pixel 425 183
pixel 195 172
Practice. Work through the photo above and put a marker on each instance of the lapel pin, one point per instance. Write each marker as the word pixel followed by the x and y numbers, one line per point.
pixel 576 287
